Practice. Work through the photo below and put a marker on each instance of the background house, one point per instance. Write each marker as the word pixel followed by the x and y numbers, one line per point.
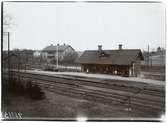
pixel 37 53
pixel 53 51
pixel 154 57
pixel 17 58
pixel 121 61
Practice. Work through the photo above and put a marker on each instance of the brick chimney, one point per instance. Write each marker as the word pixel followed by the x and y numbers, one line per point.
pixel 120 46
pixel 99 48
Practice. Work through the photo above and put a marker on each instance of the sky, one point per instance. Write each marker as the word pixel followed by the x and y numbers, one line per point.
pixel 84 26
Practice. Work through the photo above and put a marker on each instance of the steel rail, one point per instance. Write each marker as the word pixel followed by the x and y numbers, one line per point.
pixel 75 89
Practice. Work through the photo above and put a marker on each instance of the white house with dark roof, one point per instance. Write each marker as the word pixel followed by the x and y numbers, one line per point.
pixel 51 52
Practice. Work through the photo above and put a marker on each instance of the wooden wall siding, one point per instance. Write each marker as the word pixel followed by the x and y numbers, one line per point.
pixel 108 69
pixel 137 67
pixel 125 62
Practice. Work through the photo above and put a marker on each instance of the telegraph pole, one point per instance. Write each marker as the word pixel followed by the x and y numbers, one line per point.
pixel 8 56
pixel 8 42
pixel 148 56
pixel 57 57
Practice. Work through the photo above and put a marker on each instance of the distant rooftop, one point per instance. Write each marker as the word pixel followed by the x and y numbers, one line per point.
pixel 52 47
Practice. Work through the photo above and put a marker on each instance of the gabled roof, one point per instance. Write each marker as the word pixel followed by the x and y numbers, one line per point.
pixel 10 55
pixel 114 57
pixel 61 48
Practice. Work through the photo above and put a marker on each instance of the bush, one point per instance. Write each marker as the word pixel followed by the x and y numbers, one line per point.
pixel 14 86
pixel 28 86
pixel 37 92
pixel 34 91
pixel 31 90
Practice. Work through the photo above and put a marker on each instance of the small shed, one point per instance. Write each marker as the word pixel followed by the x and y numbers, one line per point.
pixel 125 62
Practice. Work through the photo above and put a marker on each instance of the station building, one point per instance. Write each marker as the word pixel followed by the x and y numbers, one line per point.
pixel 125 62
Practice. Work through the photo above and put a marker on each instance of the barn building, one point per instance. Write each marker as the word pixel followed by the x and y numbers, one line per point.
pixel 125 62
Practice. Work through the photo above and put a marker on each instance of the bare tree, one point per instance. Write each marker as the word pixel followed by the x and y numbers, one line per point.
pixel 7 26
pixel 7 22
pixel 69 58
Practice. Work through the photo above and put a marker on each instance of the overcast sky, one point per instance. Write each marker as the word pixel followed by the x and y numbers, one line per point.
pixel 86 25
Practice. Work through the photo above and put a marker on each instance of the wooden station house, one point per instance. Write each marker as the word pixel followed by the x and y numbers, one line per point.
pixel 125 62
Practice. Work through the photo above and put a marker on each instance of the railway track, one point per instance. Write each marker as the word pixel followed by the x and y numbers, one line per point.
pixel 108 98
pixel 134 97
pixel 104 83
